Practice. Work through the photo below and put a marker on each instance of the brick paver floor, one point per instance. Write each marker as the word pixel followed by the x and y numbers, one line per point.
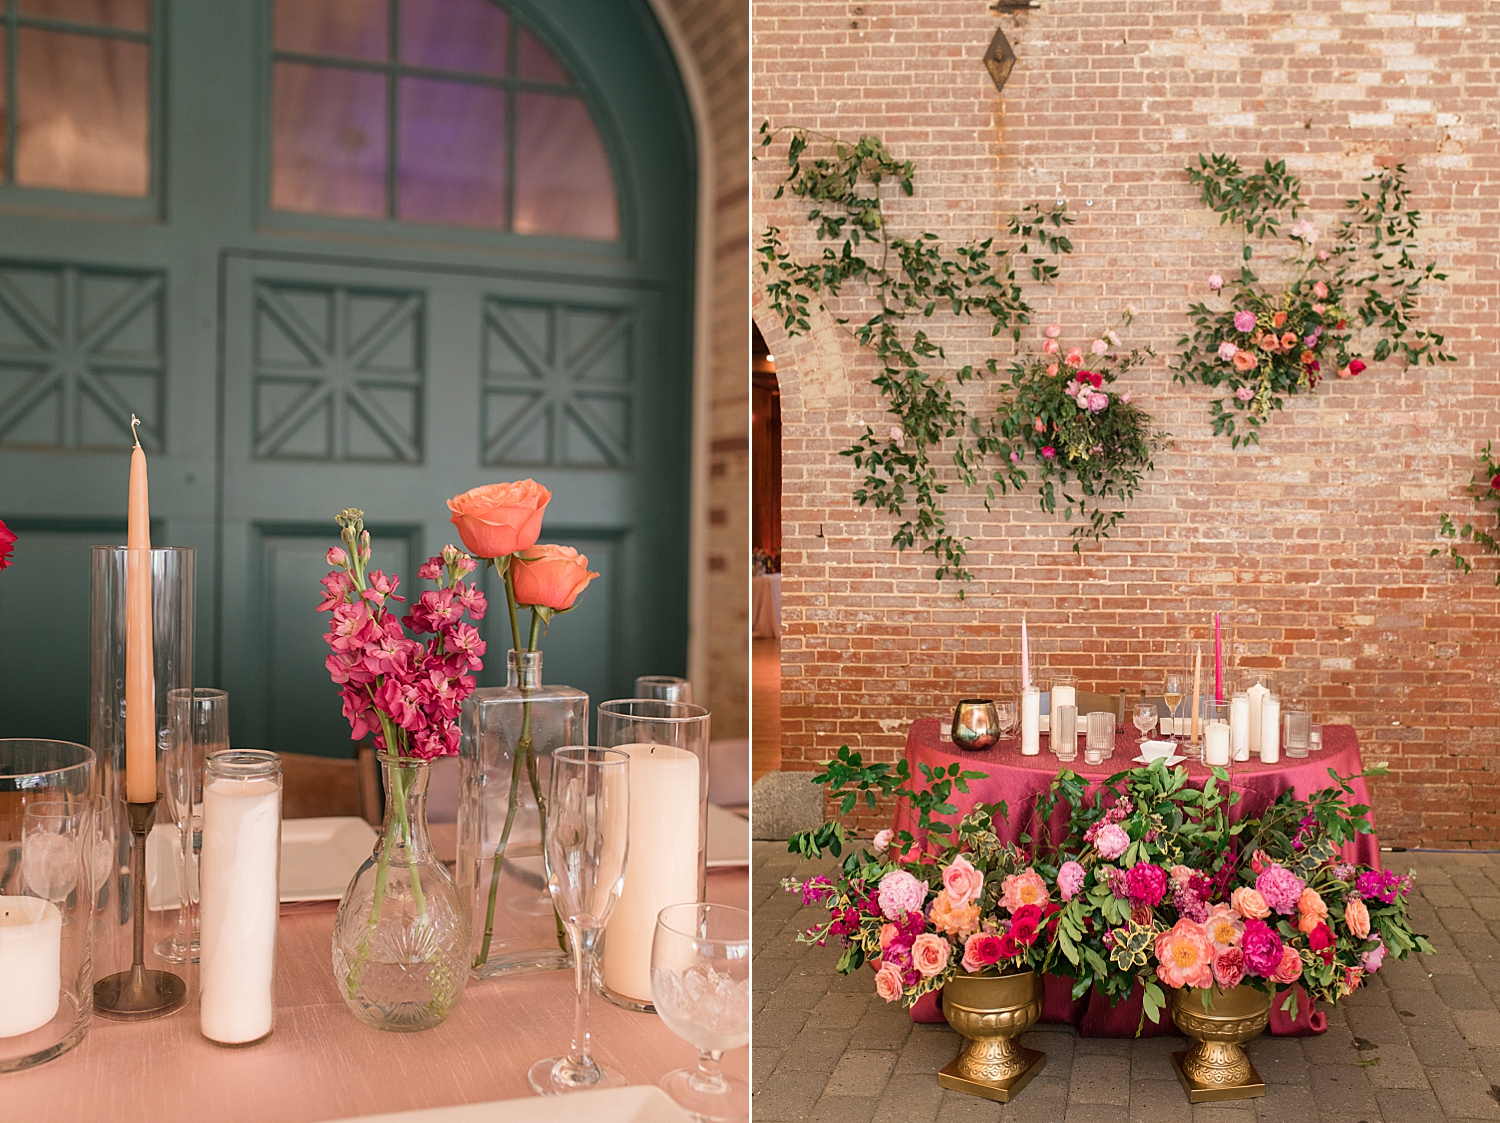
pixel 1420 1042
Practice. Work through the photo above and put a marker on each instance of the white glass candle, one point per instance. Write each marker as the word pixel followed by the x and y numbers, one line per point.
pixel 662 868
pixel 1270 729
pixel 240 895
pixel 30 963
pixel 1031 721
pixel 1239 726
pixel 1216 743
pixel 1256 697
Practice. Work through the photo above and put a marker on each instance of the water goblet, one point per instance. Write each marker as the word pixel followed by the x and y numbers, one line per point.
pixel 1007 715
pixel 700 985
pixel 584 846
pixel 1144 717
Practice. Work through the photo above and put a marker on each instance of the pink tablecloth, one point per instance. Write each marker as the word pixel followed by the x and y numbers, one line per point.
pixel 1019 780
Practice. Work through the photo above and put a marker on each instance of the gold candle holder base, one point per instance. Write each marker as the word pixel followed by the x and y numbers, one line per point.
pixel 139 994
pixel 991 1011
pixel 1216 1067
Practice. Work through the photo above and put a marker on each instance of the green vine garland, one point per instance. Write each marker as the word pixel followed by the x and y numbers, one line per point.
pixel 1270 343
pixel 1484 488
pixel 1106 449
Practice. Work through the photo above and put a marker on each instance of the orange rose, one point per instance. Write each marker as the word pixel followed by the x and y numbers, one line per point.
pixel 500 519
pixel 1249 903
pixel 1357 917
pixel 550 576
pixel 1312 910
pixel 1244 361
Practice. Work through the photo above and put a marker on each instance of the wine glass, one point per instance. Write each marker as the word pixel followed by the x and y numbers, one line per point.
pixel 1005 711
pixel 700 984
pixel 1144 716
pixel 1173 689
pixel 587 836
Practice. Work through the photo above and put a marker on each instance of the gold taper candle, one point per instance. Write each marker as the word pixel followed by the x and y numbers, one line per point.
pixel 1197 689
pixel 140 687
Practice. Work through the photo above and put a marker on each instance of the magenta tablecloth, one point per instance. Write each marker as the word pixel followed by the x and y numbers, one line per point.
pixel 1018 780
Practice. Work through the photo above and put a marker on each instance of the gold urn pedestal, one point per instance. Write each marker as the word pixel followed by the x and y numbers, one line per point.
pixel 1216 1068
pixel 991 1011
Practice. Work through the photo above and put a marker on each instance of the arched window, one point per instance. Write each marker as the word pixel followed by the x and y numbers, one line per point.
pixel 451 112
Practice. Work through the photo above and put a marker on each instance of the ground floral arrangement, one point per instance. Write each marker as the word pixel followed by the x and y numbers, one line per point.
pixel 1151 886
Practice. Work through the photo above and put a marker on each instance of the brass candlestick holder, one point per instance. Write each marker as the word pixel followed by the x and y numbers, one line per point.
pixel 139 994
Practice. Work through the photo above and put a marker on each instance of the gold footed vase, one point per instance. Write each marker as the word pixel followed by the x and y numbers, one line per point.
pixel 1216 1068
pixel 991 1011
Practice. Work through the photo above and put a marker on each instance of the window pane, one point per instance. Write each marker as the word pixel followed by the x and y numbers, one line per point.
pixel 536 62
pixel 134 14
pixel 452 153
pixel 563 180
pixel 328 143
pixel 82 113
pixel 346 28
pixel 467 35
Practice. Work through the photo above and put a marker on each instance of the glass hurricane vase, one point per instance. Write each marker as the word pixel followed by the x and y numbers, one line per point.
pixel 505 764
pixel 401 938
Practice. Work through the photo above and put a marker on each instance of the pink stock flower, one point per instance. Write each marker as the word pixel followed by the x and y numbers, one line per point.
pixel 1244 321
pixel 981 950
pixel 336 557
pixel 1184 956
pixel 962 881
pixel 1111 841
pixel 929 954
pixel 888 982
pixel 1070 880
pixel 335 589
pixel 430 570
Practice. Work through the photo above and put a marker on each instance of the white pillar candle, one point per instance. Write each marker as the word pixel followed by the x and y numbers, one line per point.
pixel 1256 697
pixel 1270 729
pixel 1031 721
pixel 662 867
pixel 1062 695
pixel 30 963
pixel 240 905
pixel 1216 743
pixel 1239 727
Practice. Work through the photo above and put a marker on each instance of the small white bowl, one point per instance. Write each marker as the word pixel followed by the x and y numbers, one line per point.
pixel 1153 749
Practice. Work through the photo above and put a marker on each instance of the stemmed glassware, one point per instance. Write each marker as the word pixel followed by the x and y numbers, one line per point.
pixel 1173 689
pixel 1144 717
pixel 700 984
pixel 588 819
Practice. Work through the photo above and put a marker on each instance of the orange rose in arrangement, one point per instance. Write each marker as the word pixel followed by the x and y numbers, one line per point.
pixel 499 519
pixel 1312 909
pixel 1249 903
pixel 951 919
pixel 550 576
pixel 1357 916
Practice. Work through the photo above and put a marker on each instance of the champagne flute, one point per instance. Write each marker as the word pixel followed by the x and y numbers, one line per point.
pixel 1005 710
pixel 700 985
pixel 1173 689
pixel 588 820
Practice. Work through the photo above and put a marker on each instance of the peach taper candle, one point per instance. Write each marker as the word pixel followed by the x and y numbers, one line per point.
pixel 140 687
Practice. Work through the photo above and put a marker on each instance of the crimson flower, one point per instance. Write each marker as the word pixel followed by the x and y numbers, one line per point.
pixel 8 538
pixel 1494 483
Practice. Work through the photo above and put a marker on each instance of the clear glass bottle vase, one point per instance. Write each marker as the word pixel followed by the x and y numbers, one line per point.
pixel 505 761
pixel 401 935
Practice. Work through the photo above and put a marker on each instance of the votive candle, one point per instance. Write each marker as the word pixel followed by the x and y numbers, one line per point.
pixel 30 964
pixel 1216 743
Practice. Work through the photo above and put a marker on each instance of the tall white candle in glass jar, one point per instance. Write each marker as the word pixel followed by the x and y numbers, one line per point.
pixel 30 963
pixel 662 867
pixel 1031 721
pixel 1216 743
pixel 1256 697
pixel 240 894
pixel 1270 729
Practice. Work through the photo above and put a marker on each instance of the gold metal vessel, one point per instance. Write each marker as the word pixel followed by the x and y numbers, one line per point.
pixel 1217 1068
pixel 992 1011
pixel 976 724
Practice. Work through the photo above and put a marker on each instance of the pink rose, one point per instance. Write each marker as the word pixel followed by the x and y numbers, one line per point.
pixel 1052 331
pixel 1245 361
pixel 1070 880
pixel 1050 346
pixel 1289 970
pixel 550 576
pixel 1215 282
pixel 1229 968
pixel 1320 290
pixel 1227 351
pixel 888 982
pixel 1049 452
pixel 1262 948
pixel 963 882
pixel 883 839
pixel 1111 841
pixel 929 954
pixel 1098 402
pixel 1098 347
pixel 888 932
pixel 499 519
pixel 1244 321
pixel 1074 358
pixel 981 950
pixel 1125 397
pixel 1249 904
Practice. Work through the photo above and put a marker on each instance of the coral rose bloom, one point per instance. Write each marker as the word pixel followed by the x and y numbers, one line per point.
pixel 1290 968
pixel 888 982
pixel 953 919
pixel 1244 361
pixel 1357 916
pixel 929 954
pixel 1184 956
pixel 962 881
pixel 1249 904
pixel 1311 909
pixel 1024 888
pixel 499 519
pixel 550 576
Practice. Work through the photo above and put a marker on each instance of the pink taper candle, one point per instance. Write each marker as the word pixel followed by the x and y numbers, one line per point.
pixel 140 689
pixel 1025 657
pixel 1218 663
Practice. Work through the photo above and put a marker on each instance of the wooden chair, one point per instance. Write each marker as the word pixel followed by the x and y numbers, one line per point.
pixel 316 786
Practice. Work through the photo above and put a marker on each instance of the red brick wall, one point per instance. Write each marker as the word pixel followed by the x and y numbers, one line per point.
pixel 1314 546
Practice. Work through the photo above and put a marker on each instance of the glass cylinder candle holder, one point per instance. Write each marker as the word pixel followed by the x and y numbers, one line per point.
pixel 1064 735
pixel 1255 684
pixel 241 896
pixel 1100 727
pixel 1064 693
pixel 667 743
pixel 1239 726
pixel 50 860
pixel 1217 735
pixel 1270 729
pixel 1315 737
pixel 664 688
pixel 1031 720
pixel 1295 727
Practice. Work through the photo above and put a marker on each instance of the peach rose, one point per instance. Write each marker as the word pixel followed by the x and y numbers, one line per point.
pixel 1357 917
pixel 888 982
pixel 1249 903
pixel 499 519
pixel 1312 910
pixel 963 882
pixel 1244 361
pixel 929 954
pixel 952 919
pixel 550 576
pixel 888 932
pixel 1289 970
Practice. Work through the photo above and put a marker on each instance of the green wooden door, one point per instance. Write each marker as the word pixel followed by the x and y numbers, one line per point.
pixel 372 263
